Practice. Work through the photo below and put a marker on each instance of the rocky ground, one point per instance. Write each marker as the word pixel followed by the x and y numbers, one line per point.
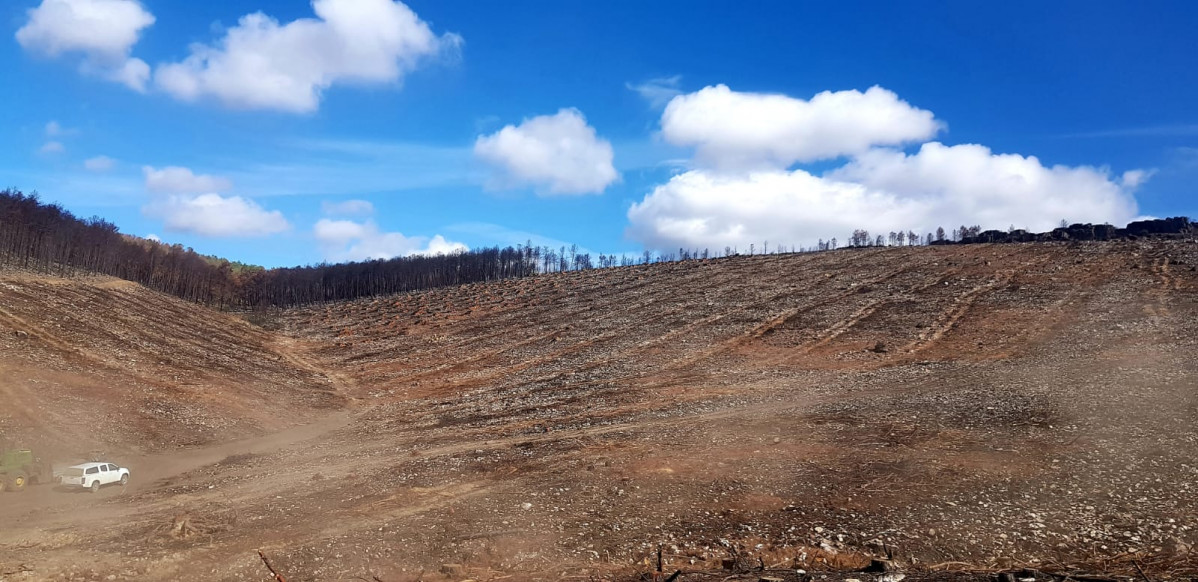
pixel 955 410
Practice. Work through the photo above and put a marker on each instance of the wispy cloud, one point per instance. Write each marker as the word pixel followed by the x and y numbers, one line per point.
pixel 55 133
pixel 1186 157
pixel 348 167
pixel 181 180
pixel 99 164
pixel 649 154
pixel 81 188
pixel 55 129
pixel 370 148
pixel 657 91
pixel 1177 130
pixel 347 208
pixel 52 147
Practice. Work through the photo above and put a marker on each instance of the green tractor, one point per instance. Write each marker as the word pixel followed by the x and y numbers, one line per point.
pixel 18 468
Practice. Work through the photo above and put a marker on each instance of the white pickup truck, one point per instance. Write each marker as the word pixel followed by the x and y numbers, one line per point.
pixel 93 476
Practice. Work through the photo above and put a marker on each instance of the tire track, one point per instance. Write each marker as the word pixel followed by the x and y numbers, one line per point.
pixel 949 319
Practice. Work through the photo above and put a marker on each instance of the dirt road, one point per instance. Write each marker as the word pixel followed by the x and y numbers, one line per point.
pixel 150 471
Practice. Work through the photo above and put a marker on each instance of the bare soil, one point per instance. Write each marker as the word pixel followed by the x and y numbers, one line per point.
pixel 104 366
pixel 959 409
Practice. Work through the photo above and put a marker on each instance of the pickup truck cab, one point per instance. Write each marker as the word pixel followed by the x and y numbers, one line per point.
pixel 93 476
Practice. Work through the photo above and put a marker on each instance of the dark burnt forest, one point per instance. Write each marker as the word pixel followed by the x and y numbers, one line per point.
pixel 46 238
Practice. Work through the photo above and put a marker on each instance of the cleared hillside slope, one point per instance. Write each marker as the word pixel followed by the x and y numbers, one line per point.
pixel 961 407
pixel 103 364
pixel 568 347
pixel 983 404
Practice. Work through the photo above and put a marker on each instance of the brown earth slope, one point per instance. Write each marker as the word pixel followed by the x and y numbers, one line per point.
pixel 960 407
pixel 104 364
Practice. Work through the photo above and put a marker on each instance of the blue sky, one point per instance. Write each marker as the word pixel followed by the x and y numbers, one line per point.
pixel 601 124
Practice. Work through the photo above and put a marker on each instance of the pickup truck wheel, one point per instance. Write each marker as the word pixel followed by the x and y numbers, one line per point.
pixel 18 482
pixel 95 486
pixel 124 480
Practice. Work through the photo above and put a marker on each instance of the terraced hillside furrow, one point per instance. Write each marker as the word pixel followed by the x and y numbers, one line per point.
pixel 936 332
pixel 968 408
pixel 102 364
pixel 570 341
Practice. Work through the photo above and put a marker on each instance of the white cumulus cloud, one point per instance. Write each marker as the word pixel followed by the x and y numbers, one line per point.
pixel 881 191
pixel 180 180
pixel 190 203
pixel 348 240
pixel 704 209
pixel 735 130
pixel 969 184
pixel 103 31
pixel 216 216
pixel 743 191
pixel 262 64
pixel 557 154
pixel 99 163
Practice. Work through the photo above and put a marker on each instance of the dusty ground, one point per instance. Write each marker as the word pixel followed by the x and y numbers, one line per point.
pixel 959 408
pixel 105 365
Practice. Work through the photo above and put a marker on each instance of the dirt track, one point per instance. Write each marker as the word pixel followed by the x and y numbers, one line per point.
pixel 153 470
pixel 962 407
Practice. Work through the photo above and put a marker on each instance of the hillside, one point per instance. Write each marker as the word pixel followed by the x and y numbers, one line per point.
pixel 961 407
pixel 101 364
